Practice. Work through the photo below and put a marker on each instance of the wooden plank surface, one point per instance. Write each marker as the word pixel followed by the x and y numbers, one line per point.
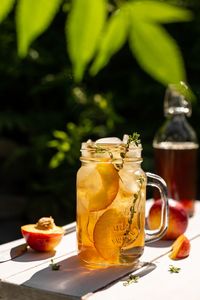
pixel 31 276
pixel 32 259
pixel 160 284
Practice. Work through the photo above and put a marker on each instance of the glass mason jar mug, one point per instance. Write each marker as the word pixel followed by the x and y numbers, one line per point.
pixel 111 196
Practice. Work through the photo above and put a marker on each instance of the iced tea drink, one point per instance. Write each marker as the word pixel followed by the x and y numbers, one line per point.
pixel 177 164
pixel 111 196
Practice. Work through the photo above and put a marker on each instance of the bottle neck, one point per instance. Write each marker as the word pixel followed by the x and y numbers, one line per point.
pixel 176 103
pixel 176 128
pixel 177 116
pixel 179 110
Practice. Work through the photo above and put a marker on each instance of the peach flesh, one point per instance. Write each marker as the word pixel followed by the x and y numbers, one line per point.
pixel 42 240
pixel 180 248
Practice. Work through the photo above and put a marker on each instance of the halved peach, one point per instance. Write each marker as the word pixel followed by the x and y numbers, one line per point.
pixel 180 248
pixel 42 236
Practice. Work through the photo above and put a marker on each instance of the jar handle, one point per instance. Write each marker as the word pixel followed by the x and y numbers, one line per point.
pixel 156 234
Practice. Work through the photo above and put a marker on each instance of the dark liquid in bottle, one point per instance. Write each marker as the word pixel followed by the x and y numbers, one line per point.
pixel 177 164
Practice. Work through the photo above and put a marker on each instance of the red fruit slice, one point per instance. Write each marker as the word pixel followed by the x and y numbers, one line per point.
pixel 180 248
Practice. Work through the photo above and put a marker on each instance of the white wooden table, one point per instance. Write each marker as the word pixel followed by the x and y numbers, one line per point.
pixel 31 277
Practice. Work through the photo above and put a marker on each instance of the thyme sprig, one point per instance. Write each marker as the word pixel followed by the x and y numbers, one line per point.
pixel 99 149
pixel 136 196
pixel 54 266
pixel 131 279
pixel 134 138
pixel 173 269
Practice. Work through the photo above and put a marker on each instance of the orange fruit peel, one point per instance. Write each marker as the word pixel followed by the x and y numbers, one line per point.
pixel 180 248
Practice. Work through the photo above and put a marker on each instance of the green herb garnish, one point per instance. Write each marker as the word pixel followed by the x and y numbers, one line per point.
pixel 131 279
pixel 136 197
pixel 173 269
pixel 99 149
pixel 135 138
pixel 54 266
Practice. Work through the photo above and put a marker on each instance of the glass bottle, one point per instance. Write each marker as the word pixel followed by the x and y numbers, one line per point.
pixel 176 148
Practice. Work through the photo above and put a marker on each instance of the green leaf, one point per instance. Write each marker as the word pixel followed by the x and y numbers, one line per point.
pixel 113 38
pixel 56 160
pixel 53 144
pixel 32 19
pixel 83 28
pixel 65 147
pixel 156 52
pixel 184 89
pixel 5 7
pixel 60 134
pixel 160 12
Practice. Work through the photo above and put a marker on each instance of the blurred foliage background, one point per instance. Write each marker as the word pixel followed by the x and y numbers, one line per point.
pixel 43 110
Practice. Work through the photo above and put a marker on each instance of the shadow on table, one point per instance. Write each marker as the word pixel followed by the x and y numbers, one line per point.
pixel 74 279
pixel 31 255
pixel 160 244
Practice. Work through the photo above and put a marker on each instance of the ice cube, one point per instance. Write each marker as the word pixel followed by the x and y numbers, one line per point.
pixel 108 140
pixel 125 138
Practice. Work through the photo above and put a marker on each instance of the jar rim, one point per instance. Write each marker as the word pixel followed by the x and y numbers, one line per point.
pixel 114 161
pixel 111 150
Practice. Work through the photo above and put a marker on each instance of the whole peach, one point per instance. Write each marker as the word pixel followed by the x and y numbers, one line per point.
pixel 178 218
